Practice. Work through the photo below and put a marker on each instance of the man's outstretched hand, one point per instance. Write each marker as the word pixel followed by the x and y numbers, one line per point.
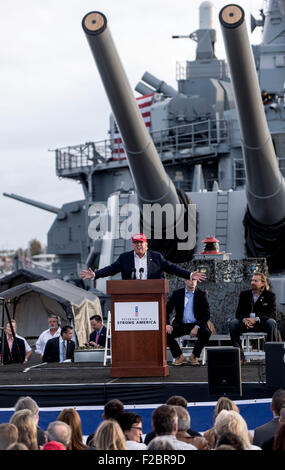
pixel 197 276
pixel 87 274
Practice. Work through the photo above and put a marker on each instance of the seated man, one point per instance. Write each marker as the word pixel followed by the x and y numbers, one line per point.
pixel 14 346
pixel 60 348
pixel 192 314
pixel 98 336
pixel 256 311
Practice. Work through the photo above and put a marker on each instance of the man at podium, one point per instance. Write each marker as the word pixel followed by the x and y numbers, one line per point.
pixel 141 263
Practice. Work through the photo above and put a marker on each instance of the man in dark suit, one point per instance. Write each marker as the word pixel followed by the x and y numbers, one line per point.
pixel 141 263
pixel 192 314
pixel 256 311
pixel 267 431
pixel 60 348
pixel 98 336
pixel 14 347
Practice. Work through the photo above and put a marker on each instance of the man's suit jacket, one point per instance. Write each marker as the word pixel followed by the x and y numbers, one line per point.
pixel 13 355
pixel 156 264
pixel 264 307
pixel 265 432
pixel 200 305
pixel 51 352
pixel 102 336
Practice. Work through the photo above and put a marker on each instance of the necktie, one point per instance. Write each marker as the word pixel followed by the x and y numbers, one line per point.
pixel 64 351
pixel 97 337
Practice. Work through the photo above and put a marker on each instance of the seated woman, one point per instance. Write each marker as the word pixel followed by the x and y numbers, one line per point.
pixel 131 425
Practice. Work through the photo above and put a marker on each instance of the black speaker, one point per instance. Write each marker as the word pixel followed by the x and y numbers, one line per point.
pixel 224 371
pixel 275 365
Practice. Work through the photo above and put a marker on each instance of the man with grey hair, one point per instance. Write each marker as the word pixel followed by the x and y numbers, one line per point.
pixel 183 423
pixel 165 424
pixel 53 331
pixel 27 403
pixel 59 431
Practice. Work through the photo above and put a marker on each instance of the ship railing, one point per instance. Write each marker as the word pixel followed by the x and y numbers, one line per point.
pixel 239 176
pixel 174 141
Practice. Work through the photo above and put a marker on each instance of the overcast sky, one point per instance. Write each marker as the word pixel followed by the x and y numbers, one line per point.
pixel 52 96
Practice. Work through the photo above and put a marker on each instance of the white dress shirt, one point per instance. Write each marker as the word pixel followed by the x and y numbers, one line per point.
pixel 43 339
pixel 141 263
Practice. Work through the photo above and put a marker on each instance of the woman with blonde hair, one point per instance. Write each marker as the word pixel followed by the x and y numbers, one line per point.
pixel 109 436
pixel 71 416
pixel 223 403
pixel 26 424
pixel 231 421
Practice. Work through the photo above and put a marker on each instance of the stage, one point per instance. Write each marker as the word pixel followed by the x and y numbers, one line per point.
pixel 88 386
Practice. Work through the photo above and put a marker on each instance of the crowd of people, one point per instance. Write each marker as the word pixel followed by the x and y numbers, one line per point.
pixel 123 430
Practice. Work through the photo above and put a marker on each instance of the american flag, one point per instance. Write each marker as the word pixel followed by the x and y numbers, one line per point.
pixel 144 103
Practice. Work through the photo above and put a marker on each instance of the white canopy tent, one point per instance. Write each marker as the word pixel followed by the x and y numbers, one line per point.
pixel 30 304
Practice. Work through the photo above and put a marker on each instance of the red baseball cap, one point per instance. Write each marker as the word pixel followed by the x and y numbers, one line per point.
pixel 54 445
pixel 139 237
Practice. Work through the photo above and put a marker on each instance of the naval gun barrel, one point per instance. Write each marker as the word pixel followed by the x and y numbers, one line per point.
pixel 265 186
pixel 31 202
pixel 152 183
pixel 159 85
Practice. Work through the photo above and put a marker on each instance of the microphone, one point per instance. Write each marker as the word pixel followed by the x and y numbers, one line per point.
pixel 134 273
pixel 141 272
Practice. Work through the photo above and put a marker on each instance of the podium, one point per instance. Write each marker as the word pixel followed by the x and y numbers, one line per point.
pixel 138 328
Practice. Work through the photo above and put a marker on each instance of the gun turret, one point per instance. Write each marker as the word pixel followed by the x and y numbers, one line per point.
pixel 265 188
pixel 159 85
pixel 153 185
pixel 31 202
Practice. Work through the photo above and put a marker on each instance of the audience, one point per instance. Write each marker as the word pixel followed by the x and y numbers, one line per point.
pixel 8 435
pixel 27 403
pixel 223 403
pixel 165 423
pixel 109 436
pixel 161 443
pixel 60 432
pixel 17 446
pixel 175 400
pixel 266 431
pixel 122 430
pixel 183 425
pixel 26 424
pixel 131 425
pixel 71 417
pixel 230 439
pixel 230 420
pixel 111 409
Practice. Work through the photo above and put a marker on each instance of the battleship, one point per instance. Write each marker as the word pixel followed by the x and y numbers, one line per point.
pixel 216 142
pixel 210 144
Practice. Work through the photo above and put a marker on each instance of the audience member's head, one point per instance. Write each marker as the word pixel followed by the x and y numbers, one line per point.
pixel 131 424
pixel 109 436
pixel 177 400
pixel 224 403
pixel 230 439
pixel 225 447
pixel 17 446
pixel 26 423
pixel 27 403
pixel 160 443
pixel 71 417
pixel 60 432
pixel 8 435
pixel 112 408
pixel 232 421
pixel 278 399
pixel 164 420
pixel 183 418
